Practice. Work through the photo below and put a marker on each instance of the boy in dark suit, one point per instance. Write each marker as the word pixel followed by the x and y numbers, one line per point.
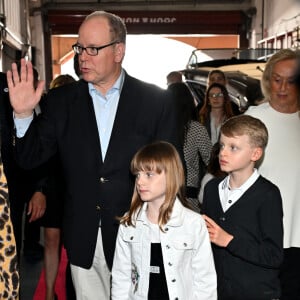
pixel 243 214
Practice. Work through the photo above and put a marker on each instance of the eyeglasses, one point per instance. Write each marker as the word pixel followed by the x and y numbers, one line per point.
pixel 92 51
pixel 216 95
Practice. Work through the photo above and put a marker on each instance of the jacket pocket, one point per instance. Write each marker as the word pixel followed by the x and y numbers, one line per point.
pixel 132 236
pixel 183 243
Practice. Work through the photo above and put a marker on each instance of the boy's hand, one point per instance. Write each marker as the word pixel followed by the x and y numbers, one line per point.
pixel 217 235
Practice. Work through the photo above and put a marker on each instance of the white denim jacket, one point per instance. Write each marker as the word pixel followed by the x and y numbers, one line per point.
pixel 187 256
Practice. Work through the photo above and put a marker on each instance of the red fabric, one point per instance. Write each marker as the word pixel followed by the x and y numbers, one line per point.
pixel 60 284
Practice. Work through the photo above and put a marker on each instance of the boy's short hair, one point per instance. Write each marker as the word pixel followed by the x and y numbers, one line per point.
pixel 247 125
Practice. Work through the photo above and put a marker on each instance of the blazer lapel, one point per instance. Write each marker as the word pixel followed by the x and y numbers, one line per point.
pixel 123 112
pixel 87 120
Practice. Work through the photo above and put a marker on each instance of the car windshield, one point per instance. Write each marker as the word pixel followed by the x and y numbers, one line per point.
pixel 242 68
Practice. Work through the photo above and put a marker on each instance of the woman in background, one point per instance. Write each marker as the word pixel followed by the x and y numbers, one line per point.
pixel 52 219
pixel 216 109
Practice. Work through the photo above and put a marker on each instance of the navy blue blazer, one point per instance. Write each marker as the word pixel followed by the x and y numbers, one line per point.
pixel 96 188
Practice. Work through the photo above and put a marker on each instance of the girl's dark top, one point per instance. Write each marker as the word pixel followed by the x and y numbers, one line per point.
pixel 158 289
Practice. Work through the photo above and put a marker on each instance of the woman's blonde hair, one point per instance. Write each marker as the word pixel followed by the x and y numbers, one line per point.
pixel 158 157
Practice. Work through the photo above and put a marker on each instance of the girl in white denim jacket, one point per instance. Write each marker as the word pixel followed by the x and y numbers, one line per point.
pixel 163 249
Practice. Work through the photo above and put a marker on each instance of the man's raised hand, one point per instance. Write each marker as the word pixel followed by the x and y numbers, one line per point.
pixel 22 92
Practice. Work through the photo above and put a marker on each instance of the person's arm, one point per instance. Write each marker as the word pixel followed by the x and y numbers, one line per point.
pixel 36 206
pixel 205 145
pixel 22 125
pixel 217 235
pixel 122 269
pixel 34 141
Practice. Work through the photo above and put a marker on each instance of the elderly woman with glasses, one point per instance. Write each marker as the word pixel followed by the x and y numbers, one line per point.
pixel 215 110
pixel 281 114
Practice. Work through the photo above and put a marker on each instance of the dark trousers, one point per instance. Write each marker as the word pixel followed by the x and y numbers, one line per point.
pixel 290 274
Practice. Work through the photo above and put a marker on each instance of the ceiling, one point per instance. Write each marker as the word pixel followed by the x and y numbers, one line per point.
pixel 167 17
pixel 151 16
pixel 141 4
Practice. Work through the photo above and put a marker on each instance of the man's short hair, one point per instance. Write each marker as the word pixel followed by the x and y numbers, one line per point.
pixel 174 77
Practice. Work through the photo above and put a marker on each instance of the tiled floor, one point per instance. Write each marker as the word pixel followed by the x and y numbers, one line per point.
pixel 30 274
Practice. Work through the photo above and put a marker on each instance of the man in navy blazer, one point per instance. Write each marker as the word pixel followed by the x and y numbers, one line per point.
pixel 96 125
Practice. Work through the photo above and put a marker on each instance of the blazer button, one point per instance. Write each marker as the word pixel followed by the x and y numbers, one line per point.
pixel 103 180
pixel 97 207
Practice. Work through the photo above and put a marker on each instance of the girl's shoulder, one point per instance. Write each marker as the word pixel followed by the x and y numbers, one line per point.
pixel 191 216
pixel 131 232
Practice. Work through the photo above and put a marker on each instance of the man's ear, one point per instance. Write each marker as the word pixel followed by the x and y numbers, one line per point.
pixel 257 154
pixel 119 52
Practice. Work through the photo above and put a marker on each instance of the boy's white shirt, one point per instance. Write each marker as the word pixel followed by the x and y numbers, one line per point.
pixel 229 196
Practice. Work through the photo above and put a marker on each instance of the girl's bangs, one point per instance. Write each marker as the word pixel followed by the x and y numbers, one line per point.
pixel 147 165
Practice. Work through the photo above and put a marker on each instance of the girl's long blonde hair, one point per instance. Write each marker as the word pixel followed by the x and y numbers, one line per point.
pixel 158 157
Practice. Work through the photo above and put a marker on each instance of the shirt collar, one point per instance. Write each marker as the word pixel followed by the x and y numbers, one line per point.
pixel 245 185
pixel 176 218
pixel 116 86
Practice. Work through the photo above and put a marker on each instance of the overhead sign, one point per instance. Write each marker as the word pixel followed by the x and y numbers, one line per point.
pixel 159 22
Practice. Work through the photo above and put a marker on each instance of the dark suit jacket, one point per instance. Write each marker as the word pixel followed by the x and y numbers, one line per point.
pixel 96 189
pixel 248 268
pixel 21 183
